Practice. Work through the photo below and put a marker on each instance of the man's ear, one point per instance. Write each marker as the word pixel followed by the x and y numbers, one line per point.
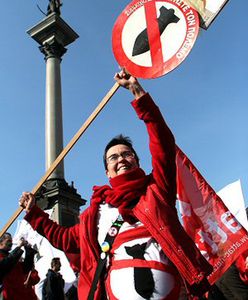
pixel 107 174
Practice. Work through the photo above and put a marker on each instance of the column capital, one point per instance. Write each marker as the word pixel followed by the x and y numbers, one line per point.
pixel 52 49
pixel 53 28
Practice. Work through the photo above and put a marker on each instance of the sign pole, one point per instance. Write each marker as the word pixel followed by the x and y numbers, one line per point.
pixel 65 151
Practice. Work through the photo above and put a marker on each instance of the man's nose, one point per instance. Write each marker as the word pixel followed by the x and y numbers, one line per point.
pixel 120 158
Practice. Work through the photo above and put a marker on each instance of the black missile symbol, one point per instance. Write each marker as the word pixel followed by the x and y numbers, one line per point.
pixel 167 16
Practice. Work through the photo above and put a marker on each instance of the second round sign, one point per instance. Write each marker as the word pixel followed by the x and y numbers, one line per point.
pixel 151 38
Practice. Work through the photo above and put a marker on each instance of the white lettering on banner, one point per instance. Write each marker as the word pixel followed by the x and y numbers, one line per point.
pixel 204 237
pixel 135 6
pixel 225 218
pixel 180 3
pixel 229 251
pixel 189 40
pixel 213 227
pixel 190 18
pixel 215 231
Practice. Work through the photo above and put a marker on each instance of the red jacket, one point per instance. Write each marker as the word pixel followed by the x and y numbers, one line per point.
pixel 13 281
pixel 31 280
pixel 156 210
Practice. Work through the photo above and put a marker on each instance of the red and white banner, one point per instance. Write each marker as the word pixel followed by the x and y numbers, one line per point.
pixel 216 232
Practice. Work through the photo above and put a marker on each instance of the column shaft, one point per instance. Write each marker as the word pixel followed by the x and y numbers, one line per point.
pixel 54 127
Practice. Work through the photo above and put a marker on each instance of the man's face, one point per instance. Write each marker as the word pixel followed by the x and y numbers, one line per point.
pixel 6 244
pixel 120 159
pixel 57 266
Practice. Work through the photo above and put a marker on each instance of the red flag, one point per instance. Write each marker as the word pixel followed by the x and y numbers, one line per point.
pixel 216 232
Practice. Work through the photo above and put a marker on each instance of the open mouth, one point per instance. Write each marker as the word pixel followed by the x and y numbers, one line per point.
pixel 123 168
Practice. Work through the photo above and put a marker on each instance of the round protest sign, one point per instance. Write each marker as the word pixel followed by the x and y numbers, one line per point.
pixel 152 37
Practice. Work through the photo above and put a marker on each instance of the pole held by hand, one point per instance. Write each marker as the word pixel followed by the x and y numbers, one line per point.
pixel 65 151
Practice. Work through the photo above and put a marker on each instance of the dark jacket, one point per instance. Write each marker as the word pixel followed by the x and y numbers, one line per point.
pixel 232 286
pixel 53 287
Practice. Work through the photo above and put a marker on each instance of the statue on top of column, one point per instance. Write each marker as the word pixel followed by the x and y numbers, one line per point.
pixel 54 7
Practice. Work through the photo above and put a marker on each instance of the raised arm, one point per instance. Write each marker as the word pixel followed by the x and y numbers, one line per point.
pixel 63 238
pixel 161 140
pixel 8 263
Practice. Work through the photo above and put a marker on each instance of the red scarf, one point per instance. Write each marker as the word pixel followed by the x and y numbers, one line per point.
pixel 125 192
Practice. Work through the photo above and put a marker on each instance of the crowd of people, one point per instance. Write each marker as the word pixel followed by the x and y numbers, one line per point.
pixel 131 242
pixel 18 275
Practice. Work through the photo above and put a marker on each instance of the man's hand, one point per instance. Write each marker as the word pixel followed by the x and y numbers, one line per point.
pixel 27 201
pixel 22 242
pixel 129 82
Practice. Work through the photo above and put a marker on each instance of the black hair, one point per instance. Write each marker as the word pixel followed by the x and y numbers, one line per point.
pixel 4 236
pixel 119 140
pixel 54 261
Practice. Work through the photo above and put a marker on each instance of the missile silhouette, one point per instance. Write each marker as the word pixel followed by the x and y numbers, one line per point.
pixel 167 16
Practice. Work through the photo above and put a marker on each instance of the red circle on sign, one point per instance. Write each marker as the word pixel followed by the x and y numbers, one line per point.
pixel 152 37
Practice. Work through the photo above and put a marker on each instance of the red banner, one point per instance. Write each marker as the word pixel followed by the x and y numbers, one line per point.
pixel 216 232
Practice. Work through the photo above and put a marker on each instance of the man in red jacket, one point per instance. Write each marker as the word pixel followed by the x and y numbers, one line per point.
pixel 151 256
pixel 13 271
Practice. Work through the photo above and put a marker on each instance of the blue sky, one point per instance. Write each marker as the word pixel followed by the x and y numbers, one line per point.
pixel 204 100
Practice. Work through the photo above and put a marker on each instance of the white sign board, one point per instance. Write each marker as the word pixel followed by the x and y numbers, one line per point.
pixel 212 9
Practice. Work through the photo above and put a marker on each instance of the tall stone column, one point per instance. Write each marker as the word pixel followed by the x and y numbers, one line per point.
pixel 53 52
pixel 53 34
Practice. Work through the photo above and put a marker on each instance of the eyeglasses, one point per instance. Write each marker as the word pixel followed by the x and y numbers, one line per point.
pixel 114 157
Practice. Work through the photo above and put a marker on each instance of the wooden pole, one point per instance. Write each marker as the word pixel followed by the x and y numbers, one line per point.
pixel 65 151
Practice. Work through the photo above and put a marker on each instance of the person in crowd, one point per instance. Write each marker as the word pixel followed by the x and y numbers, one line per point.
pixel 53 286
pixel 31 280
pixel 72 293
pixel 233 284
pixel 214 293
pixel 14 271
pixel 151 256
